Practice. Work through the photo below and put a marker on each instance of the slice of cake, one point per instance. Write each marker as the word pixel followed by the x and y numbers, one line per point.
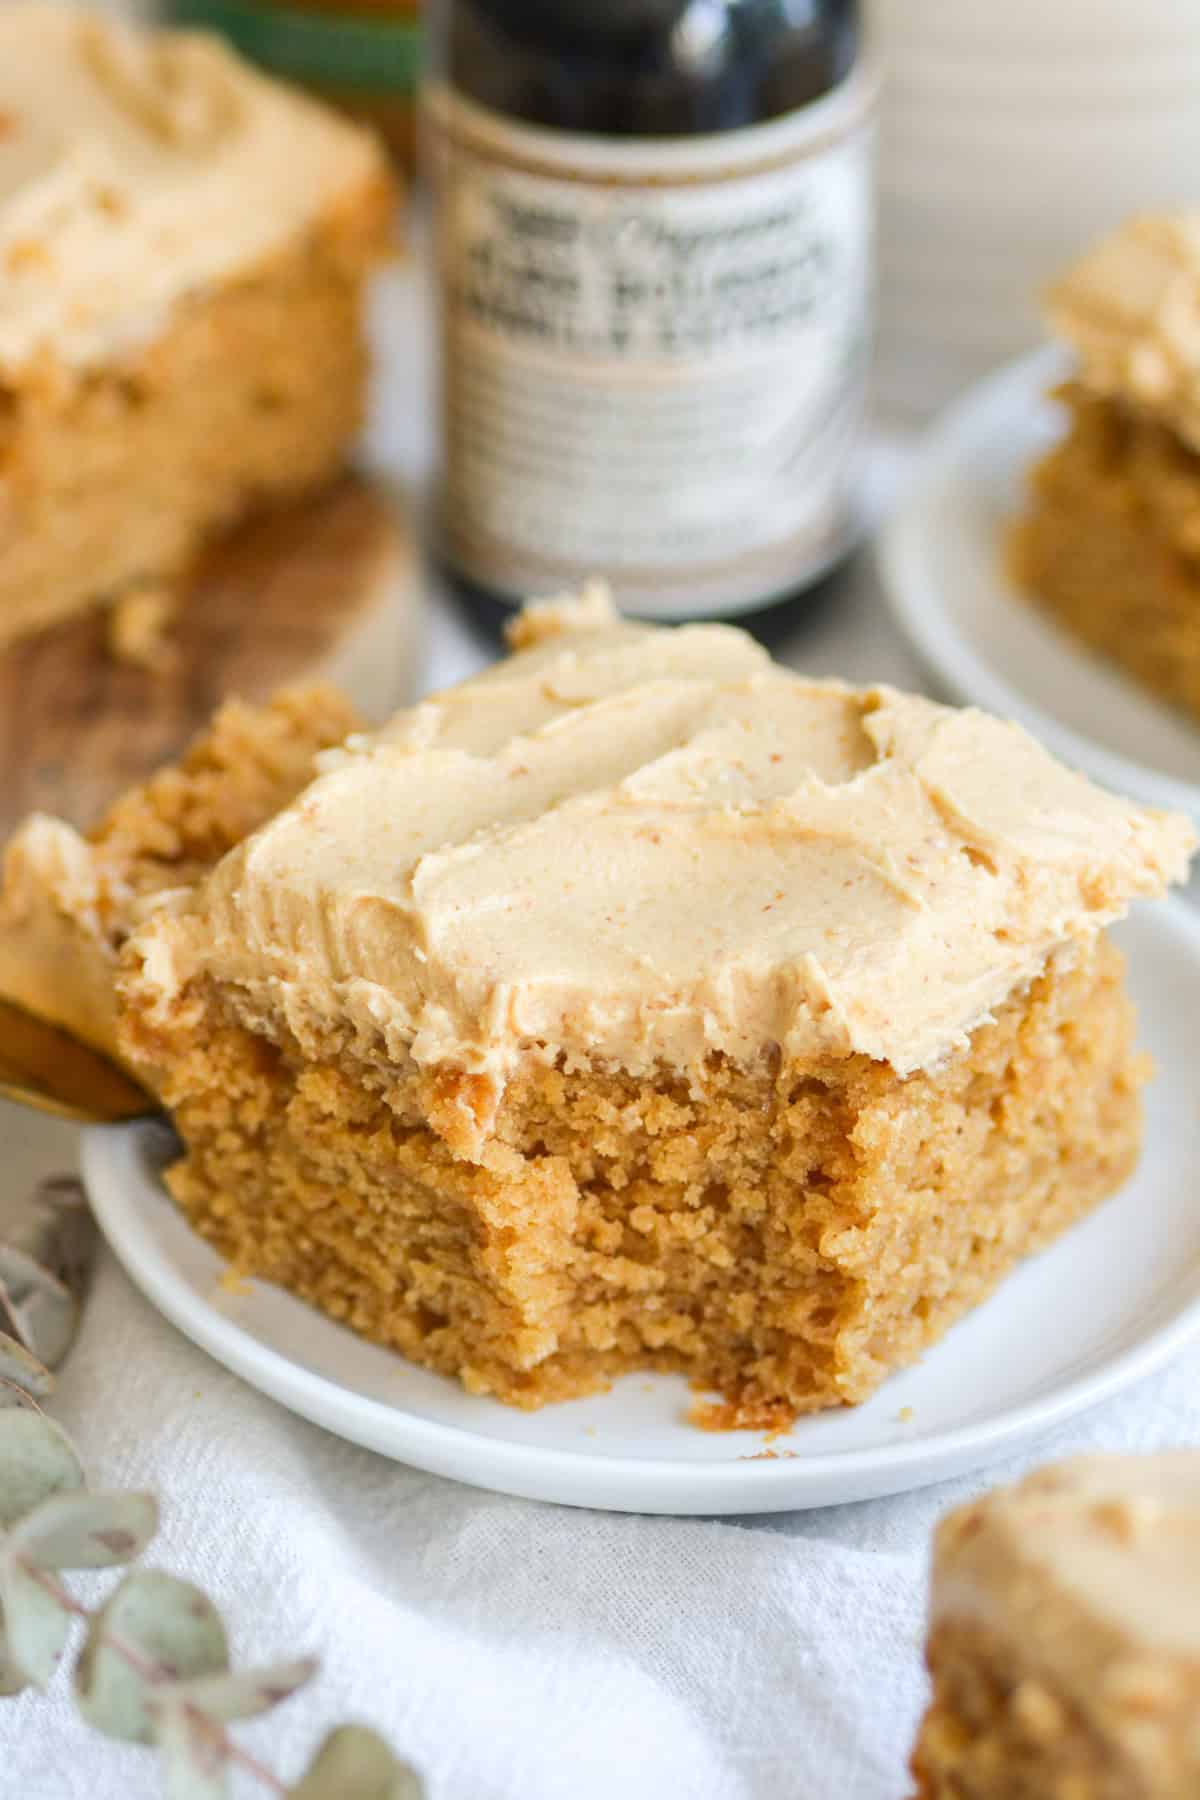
pixel 68 902
pixel 1064 1638
pixel 642 1004
pixel 1110 543
pixel 183 248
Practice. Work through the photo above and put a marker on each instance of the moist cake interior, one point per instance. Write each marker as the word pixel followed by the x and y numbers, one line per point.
pixel 785 1237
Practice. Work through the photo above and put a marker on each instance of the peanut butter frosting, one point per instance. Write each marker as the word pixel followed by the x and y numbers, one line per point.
pixel 643 846
pixel 137 168
pixel 1130 309
pixel 1091 1570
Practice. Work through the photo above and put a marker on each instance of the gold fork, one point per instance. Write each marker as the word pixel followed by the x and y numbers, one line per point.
pixel 45 1067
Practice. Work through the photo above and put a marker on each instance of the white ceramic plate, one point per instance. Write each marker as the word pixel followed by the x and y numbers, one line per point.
pixel 941 560
pixel 1107 1304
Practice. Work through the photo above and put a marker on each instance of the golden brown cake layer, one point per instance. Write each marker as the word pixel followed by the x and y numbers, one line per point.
pixel 785 1233
pixel 68 902
pixel 1110 543
pixel 183 249
pixel 1064 1638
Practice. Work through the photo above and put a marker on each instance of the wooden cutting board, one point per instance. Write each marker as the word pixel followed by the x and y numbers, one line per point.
pixel 328 590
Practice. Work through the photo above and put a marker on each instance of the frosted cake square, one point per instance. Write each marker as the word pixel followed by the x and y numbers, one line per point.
pixel 183 251
pixel 1064 1637
pixel 1109 544
pixel 641 1004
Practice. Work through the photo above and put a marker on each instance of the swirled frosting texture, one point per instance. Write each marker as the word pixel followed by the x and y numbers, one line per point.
pixel 644 846
pixel 1117 1534
pixel 137 168
pixel 1130 309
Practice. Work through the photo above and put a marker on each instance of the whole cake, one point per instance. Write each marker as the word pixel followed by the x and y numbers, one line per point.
pixel 642 1004
pixel 1064 1637
pixel 1110 541
pixel 183 247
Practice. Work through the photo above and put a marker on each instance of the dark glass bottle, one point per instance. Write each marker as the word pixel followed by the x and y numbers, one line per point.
pixel 653 229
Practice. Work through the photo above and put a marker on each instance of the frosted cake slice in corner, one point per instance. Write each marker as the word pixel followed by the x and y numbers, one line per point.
pixel 1064 1637
pixel 1109 540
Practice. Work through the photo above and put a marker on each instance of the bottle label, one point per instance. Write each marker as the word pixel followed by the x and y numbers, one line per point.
pixel 654 352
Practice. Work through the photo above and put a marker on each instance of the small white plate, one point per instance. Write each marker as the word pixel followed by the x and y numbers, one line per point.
pixel 1107 1304
pixel 941 558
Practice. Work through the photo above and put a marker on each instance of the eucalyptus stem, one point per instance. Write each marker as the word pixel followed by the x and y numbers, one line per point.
pixel 155 1674
pixel 154 1631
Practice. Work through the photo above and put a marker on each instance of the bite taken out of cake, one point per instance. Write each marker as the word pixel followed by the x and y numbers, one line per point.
pixel 184 246
pixel 641 1004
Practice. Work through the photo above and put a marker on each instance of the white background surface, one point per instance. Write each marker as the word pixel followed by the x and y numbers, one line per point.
pixel 514 1650
pixel 1010 136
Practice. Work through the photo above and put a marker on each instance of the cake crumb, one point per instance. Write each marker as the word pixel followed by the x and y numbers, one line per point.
pixel 771 1415
pixel 139 623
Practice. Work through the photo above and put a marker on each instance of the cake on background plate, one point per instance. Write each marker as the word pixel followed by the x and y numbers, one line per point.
pixel 1109 544
pixel 642 1004
pixel 183 250
pixel 68 901
pixel 1064 1637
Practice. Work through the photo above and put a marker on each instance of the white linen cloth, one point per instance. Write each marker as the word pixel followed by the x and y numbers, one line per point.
pixel 516 1651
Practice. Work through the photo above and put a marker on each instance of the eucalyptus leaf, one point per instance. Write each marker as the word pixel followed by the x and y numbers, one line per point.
pixel 12 1395
pixel 35 1308
pixel 168 1626
pixel 37 1619
pixel 49 1319
pixel 20 1367
pixel 45 1260
pixel 55 1230
pixel 355 1763
pixel 245 1694
pixel 37 1460
pixel 11 1679
pixel 84 1530
pixel 195 1758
